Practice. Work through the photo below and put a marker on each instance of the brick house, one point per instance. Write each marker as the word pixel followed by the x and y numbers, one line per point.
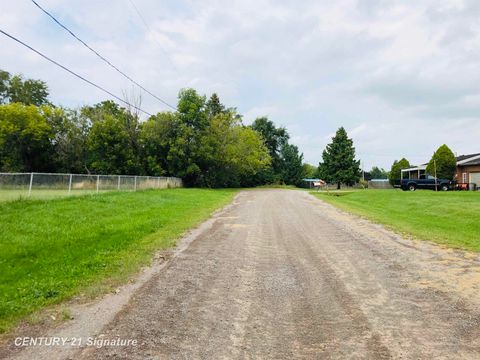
pixel 467 172
pixel 468 169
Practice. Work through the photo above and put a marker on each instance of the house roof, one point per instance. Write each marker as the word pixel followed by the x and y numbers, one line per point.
pixel 465 157
pixel 462 160
pixel 415 168
pixel 473 159
pixel 471 162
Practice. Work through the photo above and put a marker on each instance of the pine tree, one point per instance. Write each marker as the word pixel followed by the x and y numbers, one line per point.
pixel 443 163
pixel 292 167
pixel 339 164
pixel 214 106
pixel 378 173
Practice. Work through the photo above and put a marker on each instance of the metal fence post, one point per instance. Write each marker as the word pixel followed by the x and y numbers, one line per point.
pixel 135 184
pixel 30 186
pixel 70 184
pixel 118 186
pixel 98 182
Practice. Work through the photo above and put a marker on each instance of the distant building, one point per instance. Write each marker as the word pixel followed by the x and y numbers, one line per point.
pixel 313 183
pixel 468 169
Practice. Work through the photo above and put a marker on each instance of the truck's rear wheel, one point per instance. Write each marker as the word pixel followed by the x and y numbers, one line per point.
pixel 444 187
pixel 412 187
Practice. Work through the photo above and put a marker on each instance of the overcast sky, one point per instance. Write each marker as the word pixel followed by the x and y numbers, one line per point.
pixel 403 77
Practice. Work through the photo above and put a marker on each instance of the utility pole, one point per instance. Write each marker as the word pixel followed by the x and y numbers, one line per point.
pixel 435 167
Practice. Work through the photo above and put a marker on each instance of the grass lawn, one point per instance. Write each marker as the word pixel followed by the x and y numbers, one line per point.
pixel 51 250
pixel 450 218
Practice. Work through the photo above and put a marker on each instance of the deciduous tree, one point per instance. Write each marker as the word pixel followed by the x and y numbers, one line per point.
pixel 109 141
pixel 4 79
pixel 274 138
pixel 17 89
pixel 395 172
pixel 158 136
pixel 70 131
pixel 25 139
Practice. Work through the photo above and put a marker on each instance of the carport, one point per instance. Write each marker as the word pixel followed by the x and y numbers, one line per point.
pixel 418 172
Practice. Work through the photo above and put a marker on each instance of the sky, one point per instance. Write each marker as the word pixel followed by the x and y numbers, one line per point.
pixel 402 77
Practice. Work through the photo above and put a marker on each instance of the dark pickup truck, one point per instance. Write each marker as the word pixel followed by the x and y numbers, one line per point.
pixel 428 183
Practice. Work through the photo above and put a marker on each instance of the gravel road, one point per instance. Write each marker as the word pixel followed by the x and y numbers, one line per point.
pixel 282 275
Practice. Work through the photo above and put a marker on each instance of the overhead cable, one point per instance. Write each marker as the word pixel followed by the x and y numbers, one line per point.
pixel 101 56
pixel 72 72
pixel 142 18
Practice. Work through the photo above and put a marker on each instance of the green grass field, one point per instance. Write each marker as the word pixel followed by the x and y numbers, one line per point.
pixel 450 218
pixel 51 250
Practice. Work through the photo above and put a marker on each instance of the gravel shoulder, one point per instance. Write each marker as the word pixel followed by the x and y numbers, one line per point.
pixel 280 274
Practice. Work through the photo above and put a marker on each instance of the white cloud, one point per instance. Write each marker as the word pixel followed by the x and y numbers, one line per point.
pixel 259 111
pixel 401 77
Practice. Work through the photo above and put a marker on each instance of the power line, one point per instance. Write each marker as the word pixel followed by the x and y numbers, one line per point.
pixel 153 35
pixel 101 56
pixel 72 72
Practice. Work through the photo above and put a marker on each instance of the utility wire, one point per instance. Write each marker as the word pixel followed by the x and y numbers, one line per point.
pixel 72 72
pixel 101 56
pixel 142 18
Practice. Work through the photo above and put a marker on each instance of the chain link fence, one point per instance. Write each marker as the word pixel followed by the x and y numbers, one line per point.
pixel 45 185
pixel 379 184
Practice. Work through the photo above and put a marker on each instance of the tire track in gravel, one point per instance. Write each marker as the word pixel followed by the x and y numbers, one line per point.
pixel 282 275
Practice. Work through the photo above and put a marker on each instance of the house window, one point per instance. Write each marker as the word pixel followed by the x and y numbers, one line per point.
pixel 464 178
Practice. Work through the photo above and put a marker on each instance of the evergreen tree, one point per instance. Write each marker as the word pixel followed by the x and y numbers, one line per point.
pixel 444 162
pixel 378 173
pixel 292 168
pixel 339 164
pixel 214 106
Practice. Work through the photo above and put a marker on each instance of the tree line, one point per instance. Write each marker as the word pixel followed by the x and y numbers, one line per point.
pixel 203 142
pixel 340 166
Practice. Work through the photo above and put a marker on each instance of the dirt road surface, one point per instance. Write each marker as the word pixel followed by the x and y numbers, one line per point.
pixel 282 275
